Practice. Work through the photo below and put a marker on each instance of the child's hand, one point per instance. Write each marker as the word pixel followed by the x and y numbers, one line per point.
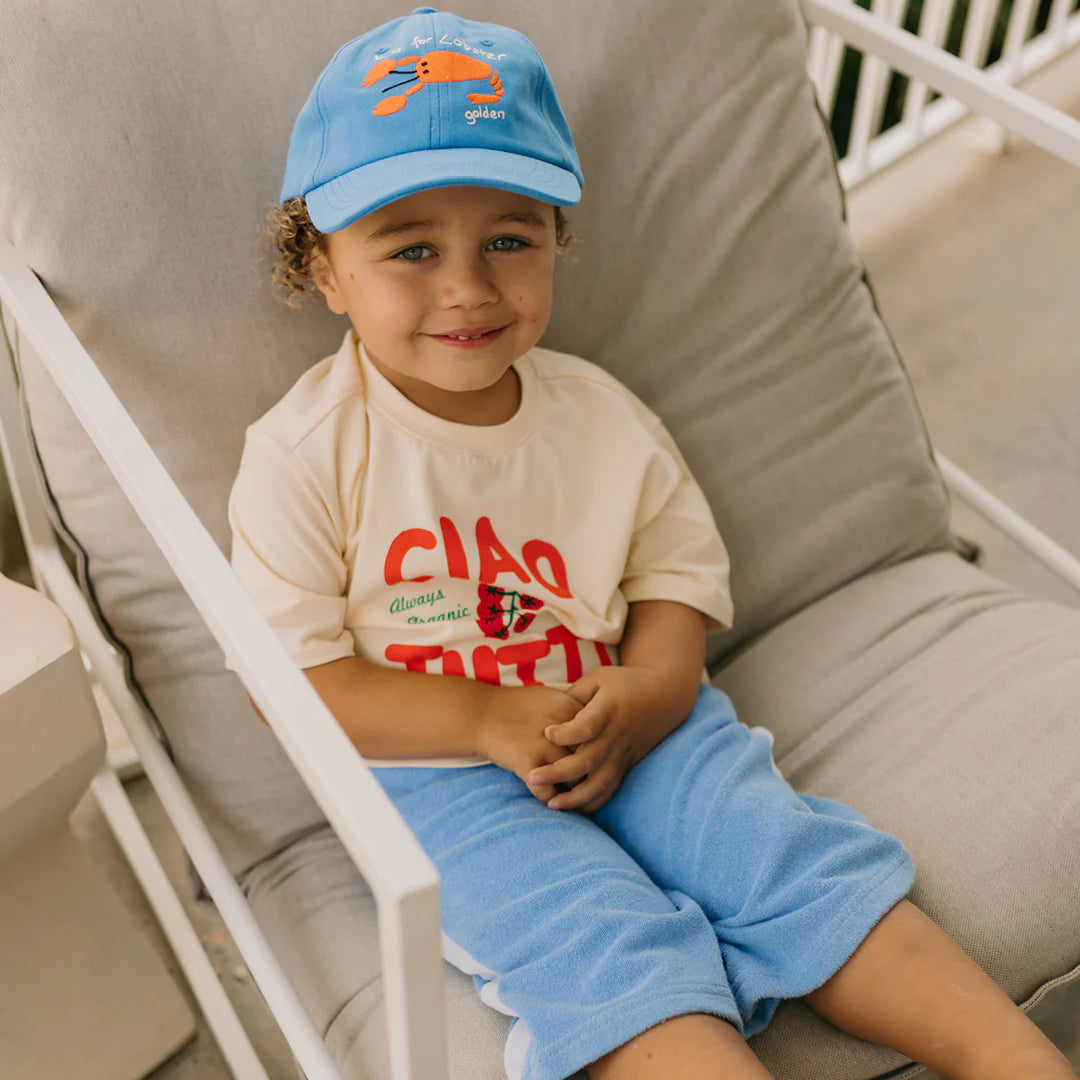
pixel 512 731
pixel 626 712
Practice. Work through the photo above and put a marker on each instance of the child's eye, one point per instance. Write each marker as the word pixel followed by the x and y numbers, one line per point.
pixel 403 254
pixel 515 241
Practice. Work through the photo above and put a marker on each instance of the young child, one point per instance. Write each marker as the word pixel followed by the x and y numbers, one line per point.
pixel 624 870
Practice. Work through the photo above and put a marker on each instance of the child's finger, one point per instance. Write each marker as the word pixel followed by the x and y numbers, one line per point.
pixel 594 791
pixel 584 689
pixel 567 770
pixel 544 792
pixel 595 804
pixel 589 722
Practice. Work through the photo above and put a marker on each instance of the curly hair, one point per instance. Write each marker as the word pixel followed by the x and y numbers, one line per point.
pixel 297 243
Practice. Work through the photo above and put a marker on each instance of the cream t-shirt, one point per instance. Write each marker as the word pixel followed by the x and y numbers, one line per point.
pixel 363 525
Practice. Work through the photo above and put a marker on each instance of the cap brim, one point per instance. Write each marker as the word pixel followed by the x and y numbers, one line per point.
pixel 344 199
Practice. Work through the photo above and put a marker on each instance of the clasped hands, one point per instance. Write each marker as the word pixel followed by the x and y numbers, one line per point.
pixel 588 736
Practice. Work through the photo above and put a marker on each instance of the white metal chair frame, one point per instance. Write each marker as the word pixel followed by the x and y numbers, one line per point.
pixel 404 882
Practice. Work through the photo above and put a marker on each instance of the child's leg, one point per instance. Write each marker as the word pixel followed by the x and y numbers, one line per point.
pixel 805 899
pixel 557 924
pixel 909 986
pixel 692 1047
pixel 790 892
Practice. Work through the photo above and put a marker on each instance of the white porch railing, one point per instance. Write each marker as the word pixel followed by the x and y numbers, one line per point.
pixel 1018 36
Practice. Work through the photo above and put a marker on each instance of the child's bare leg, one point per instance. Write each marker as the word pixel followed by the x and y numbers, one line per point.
pixel 911 987
pixel 691 1047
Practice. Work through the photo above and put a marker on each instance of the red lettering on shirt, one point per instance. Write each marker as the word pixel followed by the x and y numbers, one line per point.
pixel 452 664
pixel 399 546
pixel 488 663
pixel 494 558
pixel 485 666
pixel 560 635
pixel 414 657
pixel 524 655
pixel 533 552
pixel 456 563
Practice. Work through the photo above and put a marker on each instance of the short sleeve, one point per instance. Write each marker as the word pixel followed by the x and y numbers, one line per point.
pixel 676 552
pixel 287 551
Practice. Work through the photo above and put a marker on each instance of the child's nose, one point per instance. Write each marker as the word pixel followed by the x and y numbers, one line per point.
pixel 467 281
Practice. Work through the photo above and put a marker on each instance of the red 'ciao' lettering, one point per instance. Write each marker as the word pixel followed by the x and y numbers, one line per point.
pixel 492 557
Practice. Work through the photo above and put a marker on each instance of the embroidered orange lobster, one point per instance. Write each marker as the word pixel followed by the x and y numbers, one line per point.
pixel 434 67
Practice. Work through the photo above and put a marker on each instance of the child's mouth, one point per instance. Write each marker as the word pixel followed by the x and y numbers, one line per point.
pixel 469 342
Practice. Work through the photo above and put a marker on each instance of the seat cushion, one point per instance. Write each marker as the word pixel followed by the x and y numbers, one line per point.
pixel 936 700
pixel 713 274
pixel 943 705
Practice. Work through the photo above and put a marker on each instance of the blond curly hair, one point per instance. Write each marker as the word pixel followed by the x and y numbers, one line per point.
pixel 297 243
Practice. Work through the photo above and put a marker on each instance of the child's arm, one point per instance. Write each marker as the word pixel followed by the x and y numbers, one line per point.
pixel 389 713
pixel 630 708
pixel 669 637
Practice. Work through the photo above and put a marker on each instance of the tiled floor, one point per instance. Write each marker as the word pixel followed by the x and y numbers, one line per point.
pixel 979 287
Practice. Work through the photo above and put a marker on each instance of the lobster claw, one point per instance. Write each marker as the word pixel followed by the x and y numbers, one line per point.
pixel 389 105
pixel 384 67
pixel 381 69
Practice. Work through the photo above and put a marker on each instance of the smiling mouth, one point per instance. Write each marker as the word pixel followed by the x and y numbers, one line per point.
pixel 470 334
pixel 470 341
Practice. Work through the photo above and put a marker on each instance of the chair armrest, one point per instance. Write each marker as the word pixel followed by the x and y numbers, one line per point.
pixel 1036 543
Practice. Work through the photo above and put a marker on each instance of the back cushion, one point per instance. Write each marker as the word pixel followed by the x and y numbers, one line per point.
pixel 713 274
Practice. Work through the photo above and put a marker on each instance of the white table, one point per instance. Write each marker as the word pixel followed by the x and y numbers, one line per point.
pixel 83 994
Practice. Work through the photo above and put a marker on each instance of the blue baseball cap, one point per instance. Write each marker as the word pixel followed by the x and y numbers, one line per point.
pixel 424 101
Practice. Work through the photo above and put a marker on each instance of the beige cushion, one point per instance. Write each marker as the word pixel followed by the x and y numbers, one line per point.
pixel 713 275
pixel 943 705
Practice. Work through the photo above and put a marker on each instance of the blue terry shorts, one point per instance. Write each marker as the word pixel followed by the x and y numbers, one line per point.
pixel 706 884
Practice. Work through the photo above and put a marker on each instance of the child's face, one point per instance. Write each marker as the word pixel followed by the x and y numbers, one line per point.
pixel 465 272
